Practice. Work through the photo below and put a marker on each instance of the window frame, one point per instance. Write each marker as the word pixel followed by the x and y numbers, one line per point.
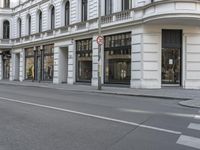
pixel 52 17
pixel 126 4
pixel 6 3
pixel 84 10
pixel 108 7
pixel 67 13
pixel 6 29
pixel 29 20
pixel 19 30
pixel 39 21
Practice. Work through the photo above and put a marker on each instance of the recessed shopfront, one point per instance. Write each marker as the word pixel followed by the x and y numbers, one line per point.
pixel 6 56
pixel 29 64
pixel 171 56
pixel 117 59
pixel 84 60
pixel 39 63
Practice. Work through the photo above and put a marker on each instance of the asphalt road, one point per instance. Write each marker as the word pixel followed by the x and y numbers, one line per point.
pixel 34 118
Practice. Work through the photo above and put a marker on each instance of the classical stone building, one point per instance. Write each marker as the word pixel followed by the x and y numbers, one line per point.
pixel 147 43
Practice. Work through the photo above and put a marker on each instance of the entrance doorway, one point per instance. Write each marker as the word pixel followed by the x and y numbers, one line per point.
pixel 17 67
pixel 171 57
pixel 117 59
pixel 6 64
pixel 63 67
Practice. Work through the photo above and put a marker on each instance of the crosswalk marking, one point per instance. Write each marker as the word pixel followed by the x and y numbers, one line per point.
pixel 197 117
pixel 194 126
pixel 189 141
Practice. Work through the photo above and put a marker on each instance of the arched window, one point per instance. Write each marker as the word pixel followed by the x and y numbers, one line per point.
pixel 6 29
pixel 67 13
pixel 19 23
pixel 108 7
pixel 40 21
pixel 7 3
pixel 52 17
pixel 84 11
pixel 29 24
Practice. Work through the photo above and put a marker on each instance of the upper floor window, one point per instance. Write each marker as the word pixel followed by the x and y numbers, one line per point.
pixel 6 29
pixel 84 11
pixel 7 3
pixel 52 17
pixel 126 4
pixel 19 26
pixel 40 21
pixel 108 7
pixel 29 24
pixel 67 13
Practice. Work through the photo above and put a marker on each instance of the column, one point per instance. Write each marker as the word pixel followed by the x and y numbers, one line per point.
pixel 71 64
pixel 22 65
pixel 1 67
pixel 94 62
pixel 60 64
pixel 11 66
pixel 136 58
pixel 56 65
pixel 146 58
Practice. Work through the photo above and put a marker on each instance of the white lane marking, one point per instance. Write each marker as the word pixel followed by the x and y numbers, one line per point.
pixel 161 113
pixel 93 116
pixel 189 141
pixel 194 126
pixel 197 117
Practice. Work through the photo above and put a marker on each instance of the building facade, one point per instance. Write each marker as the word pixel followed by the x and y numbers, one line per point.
pixel 147 43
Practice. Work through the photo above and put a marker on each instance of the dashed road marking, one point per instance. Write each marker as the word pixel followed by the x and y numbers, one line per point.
pixel 189 141
pixel 194 126
pixel 93 116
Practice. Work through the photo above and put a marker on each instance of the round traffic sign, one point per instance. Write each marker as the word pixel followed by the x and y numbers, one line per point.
pixel 100 40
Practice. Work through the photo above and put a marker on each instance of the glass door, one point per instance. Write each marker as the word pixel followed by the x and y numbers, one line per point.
pixel 171 66
pixel 6 68
pixel 171 56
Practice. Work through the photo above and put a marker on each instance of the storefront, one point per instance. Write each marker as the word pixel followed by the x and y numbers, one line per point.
pixel 117 59
pixel 29 64
pixel 84 60
pixel 39 63
pixel 48 62
pixel 171 56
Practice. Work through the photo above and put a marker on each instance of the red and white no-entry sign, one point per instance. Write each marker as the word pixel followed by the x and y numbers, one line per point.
pixel 100 40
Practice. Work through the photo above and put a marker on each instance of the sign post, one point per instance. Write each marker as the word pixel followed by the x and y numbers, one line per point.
pixel 99 42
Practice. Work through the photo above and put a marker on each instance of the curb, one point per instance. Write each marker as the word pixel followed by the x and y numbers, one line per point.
pixel 189 104
pixel 145 95
pixel 102 92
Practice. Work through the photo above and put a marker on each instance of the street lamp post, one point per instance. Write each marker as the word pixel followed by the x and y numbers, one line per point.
pixel 99 47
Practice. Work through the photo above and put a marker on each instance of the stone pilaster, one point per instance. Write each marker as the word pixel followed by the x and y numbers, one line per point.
pixel 94 62
pixel 1 67
pixel 22 65
pixel 71 64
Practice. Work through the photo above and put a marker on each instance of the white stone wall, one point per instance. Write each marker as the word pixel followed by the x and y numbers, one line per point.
pixel 145 58
pixel 22 65
pixel 17 65
pixel 192 61
pixel 95 57
pixel 136 57
pixel 60 64
pixel 71 77
pixel 150 75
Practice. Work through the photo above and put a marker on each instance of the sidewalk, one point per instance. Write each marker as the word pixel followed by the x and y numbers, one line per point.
pixel 189 98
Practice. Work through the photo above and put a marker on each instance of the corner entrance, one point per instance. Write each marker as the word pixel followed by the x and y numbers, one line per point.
pixel 171 57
